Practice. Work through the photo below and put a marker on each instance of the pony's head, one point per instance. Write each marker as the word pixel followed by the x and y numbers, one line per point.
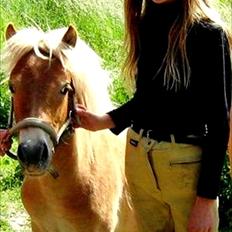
pixel 45 70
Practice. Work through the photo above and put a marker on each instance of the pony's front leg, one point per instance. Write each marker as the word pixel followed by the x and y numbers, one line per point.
pixel 35 228
pixel 103 229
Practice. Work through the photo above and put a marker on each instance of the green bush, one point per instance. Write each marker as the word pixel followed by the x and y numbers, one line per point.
pixel 225 199
pixel 4 101
pixel 11 174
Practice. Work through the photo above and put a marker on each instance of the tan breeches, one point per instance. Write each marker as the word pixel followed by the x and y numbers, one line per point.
pixel 162 178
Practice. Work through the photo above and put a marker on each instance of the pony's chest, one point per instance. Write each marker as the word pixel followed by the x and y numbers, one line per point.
pixel 56 210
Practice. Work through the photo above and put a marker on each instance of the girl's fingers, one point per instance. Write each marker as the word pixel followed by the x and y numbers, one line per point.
pixel 79 106
pixel 5 134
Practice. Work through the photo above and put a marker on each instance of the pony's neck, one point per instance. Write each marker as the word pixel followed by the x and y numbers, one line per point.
pixel 65 157
pixel 96 101
pixel 73 156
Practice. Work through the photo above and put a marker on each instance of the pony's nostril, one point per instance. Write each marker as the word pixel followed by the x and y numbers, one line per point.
pixel 21 152
pixel 33 153
pixel 44 152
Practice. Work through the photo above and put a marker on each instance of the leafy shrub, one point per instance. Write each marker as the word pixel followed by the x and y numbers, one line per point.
pixel 11 174
pixel 225 199
pixel 4 102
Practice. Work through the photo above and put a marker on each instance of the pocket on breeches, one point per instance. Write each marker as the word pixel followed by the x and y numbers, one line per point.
pixel 185 168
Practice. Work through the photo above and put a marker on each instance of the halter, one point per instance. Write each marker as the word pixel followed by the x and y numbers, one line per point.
pixel 66 128
pixel 39 123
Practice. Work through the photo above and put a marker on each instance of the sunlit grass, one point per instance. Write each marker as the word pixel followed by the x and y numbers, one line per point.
pixel 13 216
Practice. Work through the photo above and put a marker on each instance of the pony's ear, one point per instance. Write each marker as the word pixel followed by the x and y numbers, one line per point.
pixel 10 31
pixel 70 37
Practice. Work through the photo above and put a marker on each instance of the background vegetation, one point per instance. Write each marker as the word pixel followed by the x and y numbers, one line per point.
pixel 99 23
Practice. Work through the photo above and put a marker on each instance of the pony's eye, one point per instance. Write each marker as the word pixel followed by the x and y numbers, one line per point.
pixel 66 88
pixel 11 88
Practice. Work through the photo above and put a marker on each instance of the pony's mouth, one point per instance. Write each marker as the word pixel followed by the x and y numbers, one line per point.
pixel 33 172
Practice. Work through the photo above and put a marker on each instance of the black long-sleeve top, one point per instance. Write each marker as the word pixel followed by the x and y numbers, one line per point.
pixel 203 105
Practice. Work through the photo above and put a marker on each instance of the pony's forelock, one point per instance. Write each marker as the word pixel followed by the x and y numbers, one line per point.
pixel 17 46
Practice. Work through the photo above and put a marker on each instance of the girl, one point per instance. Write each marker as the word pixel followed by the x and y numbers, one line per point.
pixel 179 55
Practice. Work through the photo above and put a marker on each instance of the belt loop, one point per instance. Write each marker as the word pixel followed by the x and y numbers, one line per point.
pixel 149 144
pixel 172 136
pixel 141 134
pixel 148 134
pixel 149 141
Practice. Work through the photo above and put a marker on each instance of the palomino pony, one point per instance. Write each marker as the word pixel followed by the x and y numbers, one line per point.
pixel 74 179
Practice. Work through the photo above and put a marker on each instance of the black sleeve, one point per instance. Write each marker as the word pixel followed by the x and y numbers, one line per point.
pixel 216 75
pixel 123 116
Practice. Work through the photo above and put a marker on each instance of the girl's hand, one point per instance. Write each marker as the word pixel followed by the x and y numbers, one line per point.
pixel 204 216
pixel 5 142
pixel 91 121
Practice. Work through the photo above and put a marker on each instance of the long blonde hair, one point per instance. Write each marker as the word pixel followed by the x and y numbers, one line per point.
pixel 190 12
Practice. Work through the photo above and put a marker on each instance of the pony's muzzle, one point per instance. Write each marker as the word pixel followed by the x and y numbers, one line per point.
pixel 37 140
pixel 32 153
pixel 34 156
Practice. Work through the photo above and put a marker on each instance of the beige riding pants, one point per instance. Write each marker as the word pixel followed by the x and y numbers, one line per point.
pixel 162 177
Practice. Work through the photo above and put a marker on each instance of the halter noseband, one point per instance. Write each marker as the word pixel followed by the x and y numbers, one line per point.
pixel 39 123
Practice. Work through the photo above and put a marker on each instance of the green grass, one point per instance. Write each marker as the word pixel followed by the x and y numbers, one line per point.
pixel 13 216
pixel 12 213
pixel 97 23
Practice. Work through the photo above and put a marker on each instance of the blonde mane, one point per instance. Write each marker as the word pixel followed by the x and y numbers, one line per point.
pixel 90 79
